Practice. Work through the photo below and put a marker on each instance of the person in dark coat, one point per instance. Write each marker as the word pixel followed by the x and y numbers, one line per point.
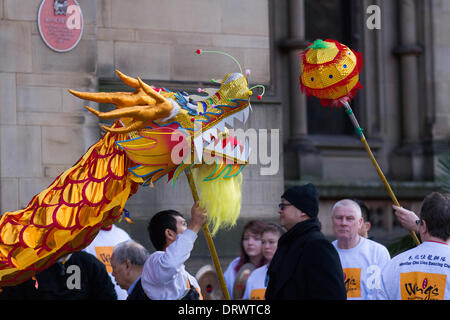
pixel 80 276
pixel 305 266
pixel 127 262
pixel 137 292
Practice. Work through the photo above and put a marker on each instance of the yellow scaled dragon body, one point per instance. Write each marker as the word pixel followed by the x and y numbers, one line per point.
pixel 139 148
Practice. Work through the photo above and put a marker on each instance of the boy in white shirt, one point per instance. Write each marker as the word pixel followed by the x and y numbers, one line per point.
pixel 164 276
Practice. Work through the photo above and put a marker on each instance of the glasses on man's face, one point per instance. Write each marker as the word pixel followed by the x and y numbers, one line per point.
pixel 283 205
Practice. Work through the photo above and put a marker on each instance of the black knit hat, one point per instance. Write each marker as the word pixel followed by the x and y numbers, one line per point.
pixel 304 198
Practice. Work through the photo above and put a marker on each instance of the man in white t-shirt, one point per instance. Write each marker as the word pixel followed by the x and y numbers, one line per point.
pixel 102 247
pixel 423 272
pixel 362 259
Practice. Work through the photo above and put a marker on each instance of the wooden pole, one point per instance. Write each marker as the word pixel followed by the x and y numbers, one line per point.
pixel 355 123
pixel 209 240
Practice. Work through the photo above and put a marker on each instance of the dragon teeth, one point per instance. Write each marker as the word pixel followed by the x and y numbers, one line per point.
pixel 247 150
pixel 239 116
pixel 229 120
pixel 206 141
pixel 246 112
pixel 220 126
pixel 228 149
pixel 198 145
pixel 242 116
pixel 214 133
pixel 207 135
pixel 211 146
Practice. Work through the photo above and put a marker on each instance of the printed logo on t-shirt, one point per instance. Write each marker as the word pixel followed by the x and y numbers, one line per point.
pixel 352 280
pixel 257 294
pixel 104 255
pixel 422 286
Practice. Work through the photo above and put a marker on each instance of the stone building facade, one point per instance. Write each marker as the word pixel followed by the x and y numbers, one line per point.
pixel 403 107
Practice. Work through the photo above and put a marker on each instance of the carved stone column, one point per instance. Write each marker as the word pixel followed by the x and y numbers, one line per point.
pixel 409 71
pixel 299 151
pixel 408 163
pixel 298 112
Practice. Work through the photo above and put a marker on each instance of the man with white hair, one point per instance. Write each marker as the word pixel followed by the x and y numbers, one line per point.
pixel 362 259
pixel 127 262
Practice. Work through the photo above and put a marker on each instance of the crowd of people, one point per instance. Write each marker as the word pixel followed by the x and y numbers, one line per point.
pixel 292 260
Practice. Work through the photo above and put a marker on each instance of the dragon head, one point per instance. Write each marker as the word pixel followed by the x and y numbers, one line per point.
pixel 168 132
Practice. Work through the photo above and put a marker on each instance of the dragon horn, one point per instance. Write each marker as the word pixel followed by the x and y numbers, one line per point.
pixel 132 82
pixel 100 97
pixel 150 91
pixel 96 112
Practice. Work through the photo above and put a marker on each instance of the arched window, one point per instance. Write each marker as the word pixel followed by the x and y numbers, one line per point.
pixel 323 20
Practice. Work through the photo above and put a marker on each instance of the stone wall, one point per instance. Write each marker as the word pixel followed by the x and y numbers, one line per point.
pixel 440 79
pixel 44 130
pixel 157 40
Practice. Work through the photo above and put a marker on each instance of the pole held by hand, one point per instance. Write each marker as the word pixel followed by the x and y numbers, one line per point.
pixel 209 240
pixel 360 133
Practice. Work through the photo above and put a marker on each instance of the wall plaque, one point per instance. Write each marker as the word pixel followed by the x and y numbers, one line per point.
pixel 60 24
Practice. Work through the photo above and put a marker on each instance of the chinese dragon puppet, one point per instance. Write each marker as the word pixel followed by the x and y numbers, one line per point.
pixel 156 133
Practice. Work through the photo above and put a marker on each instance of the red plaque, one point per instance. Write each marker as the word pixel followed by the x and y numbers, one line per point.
pixel 60 24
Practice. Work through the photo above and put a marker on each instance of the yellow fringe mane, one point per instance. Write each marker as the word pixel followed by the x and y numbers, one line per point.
pixel 221 197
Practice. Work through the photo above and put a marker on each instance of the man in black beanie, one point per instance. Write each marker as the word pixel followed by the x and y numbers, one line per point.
pixel 305 266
